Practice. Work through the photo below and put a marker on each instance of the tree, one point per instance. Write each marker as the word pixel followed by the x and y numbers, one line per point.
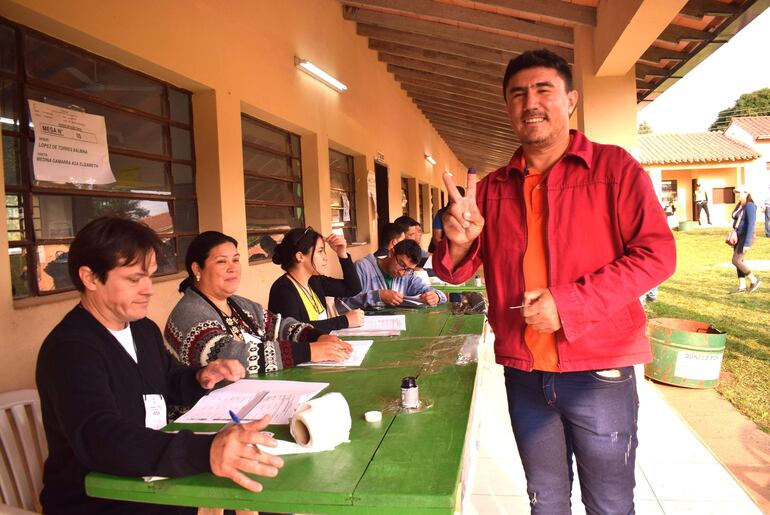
pixel 756 103
pixel 644 128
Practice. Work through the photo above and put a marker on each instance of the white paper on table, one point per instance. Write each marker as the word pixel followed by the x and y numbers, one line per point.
pixel 375 325
pixel 360 348
pixel 252 399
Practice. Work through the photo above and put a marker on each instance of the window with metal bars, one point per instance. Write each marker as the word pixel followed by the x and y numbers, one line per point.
pixel 404 196
pixel 150 138
pixel 272 174
pixel 343 195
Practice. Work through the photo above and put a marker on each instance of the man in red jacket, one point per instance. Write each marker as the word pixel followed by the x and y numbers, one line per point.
pixel 572 231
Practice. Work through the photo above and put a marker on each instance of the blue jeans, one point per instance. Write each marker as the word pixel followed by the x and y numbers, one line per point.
pixel 556 415
pixel 767 222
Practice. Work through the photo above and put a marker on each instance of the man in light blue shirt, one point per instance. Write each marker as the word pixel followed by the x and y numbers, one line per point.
pixel 388 280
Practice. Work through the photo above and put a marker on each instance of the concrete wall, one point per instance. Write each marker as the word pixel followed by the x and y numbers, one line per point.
pixel 237 56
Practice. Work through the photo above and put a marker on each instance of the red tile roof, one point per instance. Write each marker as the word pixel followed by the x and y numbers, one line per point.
pixel 695 148
pixel 757 126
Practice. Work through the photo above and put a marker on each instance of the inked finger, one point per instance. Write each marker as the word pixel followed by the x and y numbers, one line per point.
pixel 470 188
pixel 451 188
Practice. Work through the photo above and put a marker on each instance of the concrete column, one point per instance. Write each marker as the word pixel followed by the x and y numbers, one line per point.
pixel 219 154
pixel 316 183
pixel 606 110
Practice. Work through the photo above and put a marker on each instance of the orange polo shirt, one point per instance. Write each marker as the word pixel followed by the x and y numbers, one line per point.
pixel 542 346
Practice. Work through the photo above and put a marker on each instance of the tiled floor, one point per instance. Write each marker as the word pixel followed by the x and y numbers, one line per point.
pixel 675 473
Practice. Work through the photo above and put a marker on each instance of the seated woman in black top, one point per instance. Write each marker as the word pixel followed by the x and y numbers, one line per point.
pixel 301 292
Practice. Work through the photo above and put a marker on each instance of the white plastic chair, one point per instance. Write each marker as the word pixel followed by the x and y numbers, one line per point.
pixel 23 450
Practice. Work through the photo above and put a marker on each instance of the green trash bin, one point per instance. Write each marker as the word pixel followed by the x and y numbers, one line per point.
pixel 685 352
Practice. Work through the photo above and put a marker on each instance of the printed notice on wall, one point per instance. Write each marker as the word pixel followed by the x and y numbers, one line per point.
pixel 697 366
pixel 70 146
pixel 345 207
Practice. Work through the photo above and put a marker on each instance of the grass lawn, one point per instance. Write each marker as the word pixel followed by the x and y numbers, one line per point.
pixel 698 291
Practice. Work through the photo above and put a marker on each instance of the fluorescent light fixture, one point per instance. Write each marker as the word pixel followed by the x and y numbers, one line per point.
pixel 318 74
pixel 429 158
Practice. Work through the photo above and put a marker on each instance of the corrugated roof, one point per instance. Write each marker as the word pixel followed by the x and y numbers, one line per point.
pixel 699 147
pixel 757 126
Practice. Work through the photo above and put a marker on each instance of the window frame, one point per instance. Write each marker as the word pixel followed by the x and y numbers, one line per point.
pixel 352 224
pixel 290 157
pixel 27 189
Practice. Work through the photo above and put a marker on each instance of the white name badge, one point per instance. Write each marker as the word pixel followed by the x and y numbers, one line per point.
pixel 154 411
pixel 249 338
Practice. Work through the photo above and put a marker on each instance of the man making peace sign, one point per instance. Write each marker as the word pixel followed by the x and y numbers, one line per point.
pixel 573 231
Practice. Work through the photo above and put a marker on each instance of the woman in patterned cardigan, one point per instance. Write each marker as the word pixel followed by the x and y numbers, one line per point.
pixel 211 322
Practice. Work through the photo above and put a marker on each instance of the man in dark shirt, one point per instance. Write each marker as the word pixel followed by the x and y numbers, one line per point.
pixel 104 380
pixel 390 234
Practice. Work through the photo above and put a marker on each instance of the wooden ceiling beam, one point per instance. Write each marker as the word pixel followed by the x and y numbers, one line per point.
pixel 494 114
pixel 473 129
pixel 442 70
pixel 676 34
pixel 699 8
pixel 656 54
pixel 466 115
pixel 471 115
pixel 440 87
pixel 481 161
pixel 463 100
pixel 480 53
pixel 436 78
pixel 467 128
pixel 440 58
pixel 478 144
pixel 567 13
pixel 464 122
pixel 644 70
pixel 449 32
pixel 474 19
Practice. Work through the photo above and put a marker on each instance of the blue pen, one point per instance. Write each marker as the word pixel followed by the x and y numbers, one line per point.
pixel 235 418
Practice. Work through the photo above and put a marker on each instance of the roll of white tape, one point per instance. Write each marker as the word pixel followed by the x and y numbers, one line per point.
pixel 373 416
pixel 322 423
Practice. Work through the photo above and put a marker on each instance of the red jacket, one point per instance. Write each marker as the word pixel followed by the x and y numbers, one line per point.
pixel 608 244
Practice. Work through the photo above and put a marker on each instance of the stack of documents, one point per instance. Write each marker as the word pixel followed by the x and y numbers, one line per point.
pixel 252 399
pixel 377 325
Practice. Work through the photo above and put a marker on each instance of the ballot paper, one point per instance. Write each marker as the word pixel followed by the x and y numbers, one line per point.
pixel 252 399
pixel 413 302
pixel 376 325
pixel 360 348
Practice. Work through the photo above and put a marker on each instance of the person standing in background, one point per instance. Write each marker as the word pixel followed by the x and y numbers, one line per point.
pixel 744 218
pixel 767 213
pixel 701 204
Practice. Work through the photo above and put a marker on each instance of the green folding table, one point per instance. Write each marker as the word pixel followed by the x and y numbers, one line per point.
pixel 408 463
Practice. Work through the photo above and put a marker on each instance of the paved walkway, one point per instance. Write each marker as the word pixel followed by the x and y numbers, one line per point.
pixel 675 473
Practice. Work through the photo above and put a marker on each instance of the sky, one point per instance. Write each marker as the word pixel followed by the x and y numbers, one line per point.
pixel 693 103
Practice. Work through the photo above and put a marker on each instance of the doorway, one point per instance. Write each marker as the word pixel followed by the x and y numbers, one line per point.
pixel 381 185
pixel 694 207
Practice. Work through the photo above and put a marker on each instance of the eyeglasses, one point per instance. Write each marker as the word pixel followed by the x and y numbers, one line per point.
pixel 404 268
